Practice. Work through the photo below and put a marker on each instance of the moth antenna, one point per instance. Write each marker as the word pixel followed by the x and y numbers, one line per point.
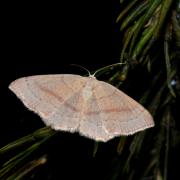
pixel 106 67
pixel 82 68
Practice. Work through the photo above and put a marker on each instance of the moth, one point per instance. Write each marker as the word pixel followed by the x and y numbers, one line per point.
pixel 74 103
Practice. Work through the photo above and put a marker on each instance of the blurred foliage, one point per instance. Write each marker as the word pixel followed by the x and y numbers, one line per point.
pixel 150 31
pixel 151 40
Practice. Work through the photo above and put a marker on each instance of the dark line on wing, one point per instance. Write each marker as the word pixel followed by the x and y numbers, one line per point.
pixel 51 93
pixel 106 111
pixel 59 98
pixel 71 107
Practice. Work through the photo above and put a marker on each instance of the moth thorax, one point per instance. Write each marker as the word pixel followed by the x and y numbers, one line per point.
pixel 87 92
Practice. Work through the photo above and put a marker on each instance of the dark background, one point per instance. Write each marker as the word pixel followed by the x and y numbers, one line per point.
pixel 45 38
